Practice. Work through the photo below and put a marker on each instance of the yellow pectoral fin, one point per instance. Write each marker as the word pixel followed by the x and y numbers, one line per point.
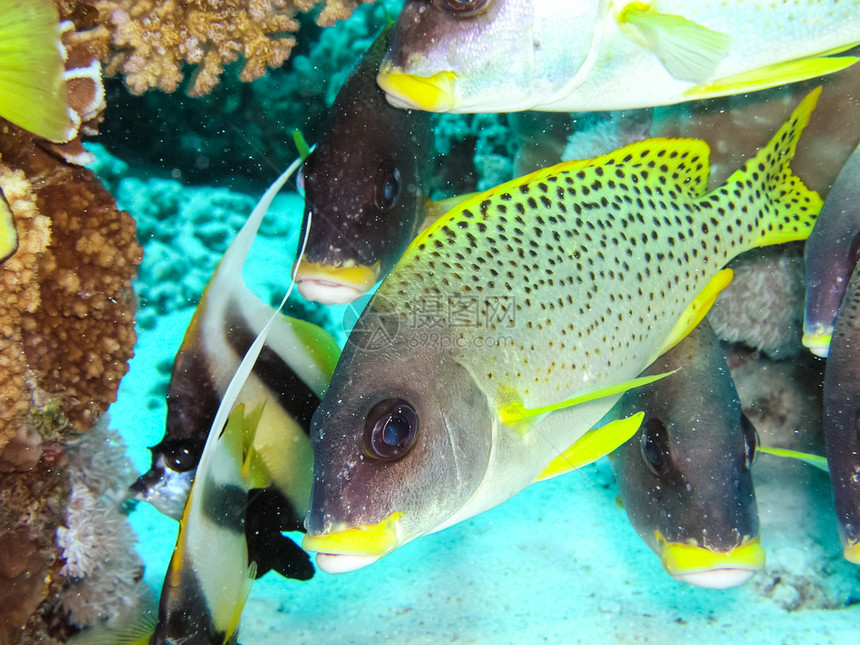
pixel 813 460
pixel 770 76
pixel 690 51
pixel 593 445
pixel 522 419
pixel 695 311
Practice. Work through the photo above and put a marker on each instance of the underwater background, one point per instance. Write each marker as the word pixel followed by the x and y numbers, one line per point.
pixel 557 563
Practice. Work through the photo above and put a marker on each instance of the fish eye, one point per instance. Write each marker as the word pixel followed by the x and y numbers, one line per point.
pixel 181 456
pixel 390 429
pixel 655 447
pixel 751 440
pixel 465 8
pixel 387 188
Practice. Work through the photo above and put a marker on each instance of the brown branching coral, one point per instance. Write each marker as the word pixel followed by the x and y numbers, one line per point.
pixel 153 38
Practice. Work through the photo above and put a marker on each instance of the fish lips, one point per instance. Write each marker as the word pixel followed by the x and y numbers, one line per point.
pixel 703 567
pixel 334 285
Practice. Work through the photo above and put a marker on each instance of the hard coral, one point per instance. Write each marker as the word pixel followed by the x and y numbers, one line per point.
pixel 153 38
pixel 66 334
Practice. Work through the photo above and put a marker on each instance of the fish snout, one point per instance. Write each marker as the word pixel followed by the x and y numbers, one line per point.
pixel 331 285
pixel 348 549
pixel 435 93
pixel 710 569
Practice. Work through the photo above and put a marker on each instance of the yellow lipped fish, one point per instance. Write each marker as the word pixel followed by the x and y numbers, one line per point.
pixel 583 55
pixel 516 321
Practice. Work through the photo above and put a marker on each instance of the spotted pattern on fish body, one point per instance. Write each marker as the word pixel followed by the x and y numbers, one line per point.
pixel 602 257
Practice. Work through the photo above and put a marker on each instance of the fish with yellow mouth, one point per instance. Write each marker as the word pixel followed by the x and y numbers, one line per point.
pixel 516 321
pixel 365 185
pixel 585 55
pixel 684 478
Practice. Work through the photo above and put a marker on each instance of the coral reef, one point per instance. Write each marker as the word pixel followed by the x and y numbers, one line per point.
pixel 102 569
pixel 152 40
pixel 67 334
pixel 241 129
pixel 763 305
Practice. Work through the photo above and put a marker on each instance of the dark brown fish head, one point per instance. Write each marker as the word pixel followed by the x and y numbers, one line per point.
pixel 365 184
pixel 401 442
pixel 685 476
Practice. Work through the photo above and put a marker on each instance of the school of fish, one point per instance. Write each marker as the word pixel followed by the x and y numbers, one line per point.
pixel 566 309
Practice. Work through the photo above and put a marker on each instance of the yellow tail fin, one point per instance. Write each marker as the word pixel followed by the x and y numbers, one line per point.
pixel 793 208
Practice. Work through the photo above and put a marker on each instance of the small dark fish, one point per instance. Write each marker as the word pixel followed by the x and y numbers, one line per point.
pixel 831 254
pixel 365 188
pixel 685 476
pixel 290 375
pixel 842 418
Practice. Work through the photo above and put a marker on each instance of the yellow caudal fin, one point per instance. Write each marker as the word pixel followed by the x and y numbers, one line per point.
pixel 690 51
pixel 32 87
pixel 522 419
pixel 8 231
pixel 695 311
pixel 771 76
pixel 593 445
pixel 818 461
pixel 792 208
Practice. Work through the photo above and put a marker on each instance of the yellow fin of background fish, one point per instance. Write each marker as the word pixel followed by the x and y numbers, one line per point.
pixel 772 76
pixel 8 231
pixel 690 51
pixel 691 180
pixel 818 461
pixel 593 445
pixel 32 87
pixel 696 311
pixel 523 419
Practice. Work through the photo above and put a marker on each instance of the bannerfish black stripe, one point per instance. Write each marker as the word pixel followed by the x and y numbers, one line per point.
pixel 293 393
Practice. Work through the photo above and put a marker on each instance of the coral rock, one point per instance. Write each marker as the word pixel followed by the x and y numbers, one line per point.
pixel 152 39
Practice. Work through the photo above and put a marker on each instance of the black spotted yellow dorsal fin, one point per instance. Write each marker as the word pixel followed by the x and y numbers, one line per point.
pixel 684 163
pixel 513 414
pixel 695 311
pixel 593 445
